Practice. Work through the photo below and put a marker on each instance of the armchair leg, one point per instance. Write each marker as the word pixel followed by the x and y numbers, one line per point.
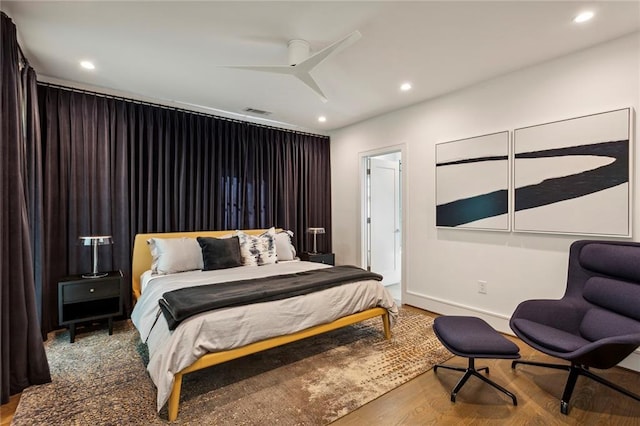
pixel 568 390
pixel 575 371
pixel 565 367
pixel 609 384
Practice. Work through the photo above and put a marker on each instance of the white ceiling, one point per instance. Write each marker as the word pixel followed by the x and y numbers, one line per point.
pixel 175 51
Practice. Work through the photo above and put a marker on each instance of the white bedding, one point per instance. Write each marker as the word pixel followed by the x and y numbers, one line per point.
pixel 171 351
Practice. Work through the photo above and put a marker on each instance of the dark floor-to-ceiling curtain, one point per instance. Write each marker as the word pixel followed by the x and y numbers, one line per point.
pixel 23 360
pixel 118 167
pixel 33 178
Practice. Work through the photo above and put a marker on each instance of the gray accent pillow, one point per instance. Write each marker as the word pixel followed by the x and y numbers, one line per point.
pixel 171 255
pixel 220 253
pixel 284 248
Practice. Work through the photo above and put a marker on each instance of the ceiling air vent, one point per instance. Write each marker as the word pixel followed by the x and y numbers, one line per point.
pixel 256 111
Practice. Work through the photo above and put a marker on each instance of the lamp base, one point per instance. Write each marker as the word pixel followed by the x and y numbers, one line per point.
pixel 95 275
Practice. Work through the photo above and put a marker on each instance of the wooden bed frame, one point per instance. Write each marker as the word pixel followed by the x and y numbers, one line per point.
pixel 141 262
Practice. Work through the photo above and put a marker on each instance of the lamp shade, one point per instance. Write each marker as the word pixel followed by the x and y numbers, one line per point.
pixel 98 240
pixel 95 241
pixel 315 231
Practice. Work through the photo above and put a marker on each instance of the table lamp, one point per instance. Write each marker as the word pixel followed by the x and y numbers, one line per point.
pixel 95 241
pixel 315 232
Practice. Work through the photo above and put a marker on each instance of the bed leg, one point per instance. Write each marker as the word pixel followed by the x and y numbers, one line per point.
pixel 174 398
pixel 387 325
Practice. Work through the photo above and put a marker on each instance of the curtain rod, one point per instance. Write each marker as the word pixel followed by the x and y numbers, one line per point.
pixel 188 111
pixel 21 54
pixel 25 61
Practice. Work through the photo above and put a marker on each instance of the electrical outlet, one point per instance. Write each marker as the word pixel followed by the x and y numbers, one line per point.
pixel 482 287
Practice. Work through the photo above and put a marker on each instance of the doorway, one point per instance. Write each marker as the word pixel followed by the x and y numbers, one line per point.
pixel 382 220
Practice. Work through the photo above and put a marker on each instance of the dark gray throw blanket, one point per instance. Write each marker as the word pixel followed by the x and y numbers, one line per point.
pixel 178 305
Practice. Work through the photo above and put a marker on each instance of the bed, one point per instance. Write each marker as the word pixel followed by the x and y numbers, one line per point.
pixel 214 337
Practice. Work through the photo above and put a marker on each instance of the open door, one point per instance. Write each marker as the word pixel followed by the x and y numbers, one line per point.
pixel 384 217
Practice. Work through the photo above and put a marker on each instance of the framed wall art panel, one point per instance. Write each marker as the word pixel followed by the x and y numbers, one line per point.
pixel 472 183
pixel 574 176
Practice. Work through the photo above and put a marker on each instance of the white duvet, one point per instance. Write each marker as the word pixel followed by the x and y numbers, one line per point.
pixel 171 351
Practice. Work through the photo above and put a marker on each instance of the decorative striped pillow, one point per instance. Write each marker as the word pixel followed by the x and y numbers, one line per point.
pixel 257 250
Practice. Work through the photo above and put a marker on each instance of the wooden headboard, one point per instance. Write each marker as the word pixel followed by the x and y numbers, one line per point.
pixel 141 259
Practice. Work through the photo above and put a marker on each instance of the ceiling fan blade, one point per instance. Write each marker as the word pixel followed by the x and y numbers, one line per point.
pixel 301 70
pixel 315 59
pixel 306 78
pixel 303 76
pixel 278 69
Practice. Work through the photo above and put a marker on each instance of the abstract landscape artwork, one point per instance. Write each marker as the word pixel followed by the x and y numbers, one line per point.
pixel 573 176
pixel 472 183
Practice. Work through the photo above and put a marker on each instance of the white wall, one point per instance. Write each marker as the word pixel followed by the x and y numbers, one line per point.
pixel 442 266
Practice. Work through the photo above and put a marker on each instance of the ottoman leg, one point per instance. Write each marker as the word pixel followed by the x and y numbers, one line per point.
pixel 468 373
pixel 471 337
pixel 472 371
pixel 446 367
pixel 497 386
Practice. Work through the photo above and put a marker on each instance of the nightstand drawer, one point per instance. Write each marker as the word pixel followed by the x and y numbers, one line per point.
pixel 78 292
pixel 90 299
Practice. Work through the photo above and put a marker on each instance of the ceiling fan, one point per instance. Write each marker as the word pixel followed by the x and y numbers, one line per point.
pixel 301 64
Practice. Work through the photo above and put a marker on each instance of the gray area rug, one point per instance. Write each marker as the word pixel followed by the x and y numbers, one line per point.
pixel 101 379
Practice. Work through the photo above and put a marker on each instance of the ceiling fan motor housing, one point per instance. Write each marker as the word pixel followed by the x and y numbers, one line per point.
pixel 298 51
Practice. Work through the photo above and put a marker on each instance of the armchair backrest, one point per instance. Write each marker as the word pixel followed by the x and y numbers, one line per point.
pixel 606 276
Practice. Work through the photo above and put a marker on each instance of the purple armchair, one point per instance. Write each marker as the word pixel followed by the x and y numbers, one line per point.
pixel 597 321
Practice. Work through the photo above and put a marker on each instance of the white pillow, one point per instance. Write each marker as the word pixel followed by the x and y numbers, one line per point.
pixel 284 248
pixel 171 255
pixel 257 250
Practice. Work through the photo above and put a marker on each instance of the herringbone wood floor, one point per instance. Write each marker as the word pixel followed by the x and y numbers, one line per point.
pixel 425 399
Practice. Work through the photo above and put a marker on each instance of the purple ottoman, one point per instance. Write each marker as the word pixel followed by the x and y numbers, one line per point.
pixel 472 338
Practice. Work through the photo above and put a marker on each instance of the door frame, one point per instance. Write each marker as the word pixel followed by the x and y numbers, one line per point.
pixel 361 251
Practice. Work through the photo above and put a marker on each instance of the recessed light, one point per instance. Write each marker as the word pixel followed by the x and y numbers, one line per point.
pixel 583 17
pixel 87 65
pixel 405 86
pixel 322 119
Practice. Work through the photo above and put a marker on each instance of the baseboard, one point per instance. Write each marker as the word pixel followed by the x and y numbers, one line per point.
pixel 497 320
pixel 632 362
pixel 446 307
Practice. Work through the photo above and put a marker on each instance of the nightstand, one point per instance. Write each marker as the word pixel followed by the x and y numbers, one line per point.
pixel 89 299
pixel 326 258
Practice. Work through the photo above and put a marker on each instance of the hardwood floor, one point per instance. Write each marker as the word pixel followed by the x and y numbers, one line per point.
pixel 425 399
pixel 7 410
